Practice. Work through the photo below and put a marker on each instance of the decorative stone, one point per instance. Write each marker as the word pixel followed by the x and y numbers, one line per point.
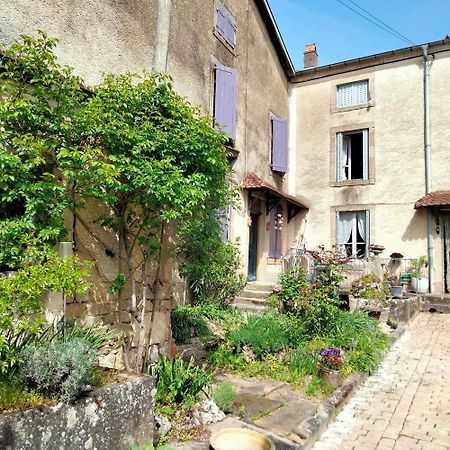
pixel 162 427
pixel 206 412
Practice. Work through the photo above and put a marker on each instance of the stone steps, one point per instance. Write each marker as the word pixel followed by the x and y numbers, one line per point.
pixel 435 303
pixel 253 298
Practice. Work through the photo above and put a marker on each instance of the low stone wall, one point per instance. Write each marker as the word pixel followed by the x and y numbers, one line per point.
pixel 404 309
pixel 112 417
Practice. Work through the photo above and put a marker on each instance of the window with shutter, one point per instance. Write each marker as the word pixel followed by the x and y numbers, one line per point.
pixel 225 99
pixel 225 25
pixel 352 155
pixel 279 145
pixel 276 226
pixel 352 94
pixel 352 232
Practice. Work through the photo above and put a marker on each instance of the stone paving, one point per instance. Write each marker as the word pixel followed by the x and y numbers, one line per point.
pixel 406 404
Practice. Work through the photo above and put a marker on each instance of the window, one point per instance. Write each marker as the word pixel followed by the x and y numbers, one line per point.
pixel 352 155
pixel 225 26
pixel 352 94
pixel 352 233
pixel 225 99
pixel 276 225
pixel 279 145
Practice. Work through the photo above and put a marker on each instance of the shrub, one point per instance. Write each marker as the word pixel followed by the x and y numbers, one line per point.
pixel 187 323
pixel 58 367
pixel 178 382
pixel 224 395
pixel 264 334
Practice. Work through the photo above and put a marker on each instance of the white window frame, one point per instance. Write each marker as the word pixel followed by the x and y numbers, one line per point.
pixel 351 94
pixel 354 232
pixel 344 155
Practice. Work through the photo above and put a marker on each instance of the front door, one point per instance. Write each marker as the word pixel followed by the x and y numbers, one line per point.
pixel 446 238
pixel 253 247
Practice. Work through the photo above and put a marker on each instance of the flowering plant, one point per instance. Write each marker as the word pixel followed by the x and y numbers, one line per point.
pixel 277 288
pixel 331 358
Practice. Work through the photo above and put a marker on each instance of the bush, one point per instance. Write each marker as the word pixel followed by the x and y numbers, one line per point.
pixel 178 382
pixel 187 323
pixel 63 368
pixel 264 334
pixel 224 396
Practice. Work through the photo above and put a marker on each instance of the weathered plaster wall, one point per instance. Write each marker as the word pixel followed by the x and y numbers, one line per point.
pixel 395 122
pixel 96 36
pixel 113 417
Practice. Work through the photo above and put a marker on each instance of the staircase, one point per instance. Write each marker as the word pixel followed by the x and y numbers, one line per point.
pixel 435 303
pixel 253 298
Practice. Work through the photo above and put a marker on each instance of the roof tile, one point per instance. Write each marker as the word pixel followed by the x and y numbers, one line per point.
pixel 437 198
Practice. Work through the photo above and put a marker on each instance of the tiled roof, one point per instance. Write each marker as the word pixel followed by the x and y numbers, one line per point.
pixel 437 198
pixel 252 182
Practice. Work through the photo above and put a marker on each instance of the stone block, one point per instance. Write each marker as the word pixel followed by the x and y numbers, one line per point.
pixel 99 309
pixel 76 310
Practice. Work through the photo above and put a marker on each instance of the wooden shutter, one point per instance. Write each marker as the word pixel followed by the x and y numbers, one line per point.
pixel 276 225
pixel 279 145
pixel 225 99
pixel 365 154
pixel 339 156
pixel 221 21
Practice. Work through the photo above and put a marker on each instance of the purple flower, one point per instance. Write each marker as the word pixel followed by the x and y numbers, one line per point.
pixel 277 288
pixel 330 352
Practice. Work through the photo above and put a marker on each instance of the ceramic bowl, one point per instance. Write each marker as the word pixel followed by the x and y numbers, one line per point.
pixel 240 438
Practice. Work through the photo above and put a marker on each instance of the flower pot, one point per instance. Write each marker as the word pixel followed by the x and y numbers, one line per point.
pixel 397 291
pixel 419 285
pixel 331 377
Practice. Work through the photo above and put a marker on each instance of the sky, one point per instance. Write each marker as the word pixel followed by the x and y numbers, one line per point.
pixel 341 34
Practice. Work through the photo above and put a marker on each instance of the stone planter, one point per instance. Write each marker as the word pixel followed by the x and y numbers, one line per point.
pixel 115 416
pixel 331 377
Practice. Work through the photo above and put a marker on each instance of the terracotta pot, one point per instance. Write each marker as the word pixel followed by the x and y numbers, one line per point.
pixel 329 376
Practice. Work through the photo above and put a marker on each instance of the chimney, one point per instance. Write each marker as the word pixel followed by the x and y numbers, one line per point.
pixel 310 57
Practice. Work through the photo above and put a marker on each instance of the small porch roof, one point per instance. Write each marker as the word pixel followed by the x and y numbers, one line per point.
pixel 252 182
pixel 436 198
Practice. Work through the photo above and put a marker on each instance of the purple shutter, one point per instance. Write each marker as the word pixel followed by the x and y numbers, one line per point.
pixel 276 225
pixel 221 21
pixel 230 33
pixel 225 99
pixel 279 145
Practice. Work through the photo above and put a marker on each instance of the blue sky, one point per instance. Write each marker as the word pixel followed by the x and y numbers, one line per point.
pixel 341 34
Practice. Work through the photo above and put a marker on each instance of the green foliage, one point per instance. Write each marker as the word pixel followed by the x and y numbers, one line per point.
pixel 21 300
pixel 304 362
pixel 210 265
pixel 63 368
pixel 264 334
pixel 39 99
pixel 369 287
pixel 293 282
pixel 417 266
pixel 224 395
pixel 187 323
pixel 177 381
pixel 15 396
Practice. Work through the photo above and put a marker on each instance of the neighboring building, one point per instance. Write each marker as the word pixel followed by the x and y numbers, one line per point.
pixel 360 154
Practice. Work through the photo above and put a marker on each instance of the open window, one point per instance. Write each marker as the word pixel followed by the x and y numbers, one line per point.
pixel 352 233
pixel 352 155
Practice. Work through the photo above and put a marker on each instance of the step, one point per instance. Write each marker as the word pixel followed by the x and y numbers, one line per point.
pixel 255 294
pixel 250 301
pixel 435 307
pixel 443 299
pixel 252 309
pixel 264 286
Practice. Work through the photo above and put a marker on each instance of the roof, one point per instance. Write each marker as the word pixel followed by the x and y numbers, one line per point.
pixel 253 182
pixel 437 198
pixel 275 36
pixel 377 59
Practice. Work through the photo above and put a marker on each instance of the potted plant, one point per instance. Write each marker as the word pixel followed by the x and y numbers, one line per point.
pixel 330 366
pixel 419 282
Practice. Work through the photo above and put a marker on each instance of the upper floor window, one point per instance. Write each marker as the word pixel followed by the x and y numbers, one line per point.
pixel 225 25
pixel 352 94
pixel 225 99
pixel 352 155
pixel 352 233
pixel 279 145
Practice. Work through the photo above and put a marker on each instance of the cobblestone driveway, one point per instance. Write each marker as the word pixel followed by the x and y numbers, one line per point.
pixel 406 404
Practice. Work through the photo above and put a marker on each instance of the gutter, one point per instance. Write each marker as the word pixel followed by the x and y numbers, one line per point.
pixel 427 157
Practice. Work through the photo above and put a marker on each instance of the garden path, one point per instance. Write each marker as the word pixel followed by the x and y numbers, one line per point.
pixel 406 403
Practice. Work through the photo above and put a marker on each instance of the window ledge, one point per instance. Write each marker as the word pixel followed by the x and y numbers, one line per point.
pixel 367 105
pixel 273 261
pixel 225 43
pixel 352 183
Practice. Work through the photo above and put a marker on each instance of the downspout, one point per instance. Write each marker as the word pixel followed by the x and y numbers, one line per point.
pixel 427 145
pixel 162 36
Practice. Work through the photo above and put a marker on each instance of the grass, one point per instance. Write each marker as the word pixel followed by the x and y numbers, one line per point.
pixel 15 396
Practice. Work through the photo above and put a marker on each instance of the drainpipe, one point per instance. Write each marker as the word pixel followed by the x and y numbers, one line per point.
pixel 426 107
pixel 162 36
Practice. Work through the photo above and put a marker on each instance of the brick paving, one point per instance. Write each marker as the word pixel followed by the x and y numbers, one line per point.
pixel 406 403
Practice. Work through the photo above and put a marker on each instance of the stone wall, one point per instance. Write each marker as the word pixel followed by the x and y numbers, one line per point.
pixel 112 417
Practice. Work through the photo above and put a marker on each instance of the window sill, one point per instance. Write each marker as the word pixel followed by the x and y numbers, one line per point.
pixel 273 261
pixel 352 183
pixel 225 43
pixel 368 105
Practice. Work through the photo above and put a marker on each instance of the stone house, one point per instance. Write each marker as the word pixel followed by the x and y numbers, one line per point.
pixel 361 124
